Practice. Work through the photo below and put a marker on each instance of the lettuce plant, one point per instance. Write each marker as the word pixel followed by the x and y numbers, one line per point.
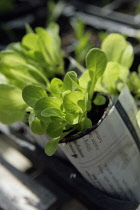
pixel 64 111
pixel 37 60
pixel 34 60
pixel 120 57
pixel 38 54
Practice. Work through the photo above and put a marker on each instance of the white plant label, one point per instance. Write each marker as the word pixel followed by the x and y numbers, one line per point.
pixel 109 156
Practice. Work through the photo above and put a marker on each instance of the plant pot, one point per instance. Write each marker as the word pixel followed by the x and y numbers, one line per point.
pixel 108 155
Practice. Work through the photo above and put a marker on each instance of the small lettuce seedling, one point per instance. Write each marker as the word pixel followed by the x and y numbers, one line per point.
pixel 65 110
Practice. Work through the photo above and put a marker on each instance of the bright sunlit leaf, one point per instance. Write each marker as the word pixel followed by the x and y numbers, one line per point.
pixel 12 106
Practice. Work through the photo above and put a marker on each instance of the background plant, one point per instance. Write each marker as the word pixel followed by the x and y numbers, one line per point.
pixel 134 83
pixel 83 40
pixel 54 10
pixel 34 60
pixel 120 57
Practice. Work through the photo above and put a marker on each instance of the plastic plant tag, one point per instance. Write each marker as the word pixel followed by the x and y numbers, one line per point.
pixel 108 157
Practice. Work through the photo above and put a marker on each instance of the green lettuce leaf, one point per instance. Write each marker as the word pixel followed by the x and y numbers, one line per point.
pixel 51 146
pixel 96 63
pixel 36 125
pixel 114 45
pixel 32 93
pixel 12 106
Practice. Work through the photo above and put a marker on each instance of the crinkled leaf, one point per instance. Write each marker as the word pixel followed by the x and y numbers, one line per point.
pixel 32 93
pixel 70 102
pixel 51 147
pixel 43 103
pixel 12 106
